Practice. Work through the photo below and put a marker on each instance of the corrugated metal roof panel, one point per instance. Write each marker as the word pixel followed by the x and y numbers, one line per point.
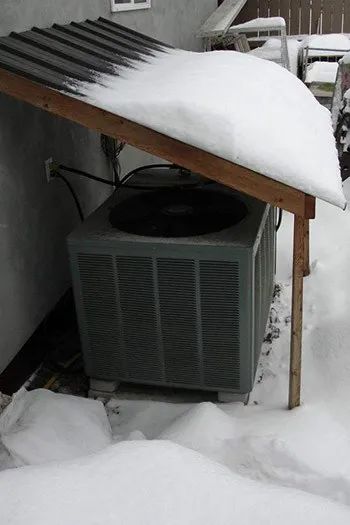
pixel 63 54
pixel 64 50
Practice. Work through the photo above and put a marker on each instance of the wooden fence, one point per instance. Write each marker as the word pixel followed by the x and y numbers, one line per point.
pixel 302 16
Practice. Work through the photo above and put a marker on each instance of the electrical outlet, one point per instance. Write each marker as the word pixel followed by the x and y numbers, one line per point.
pixel 50 168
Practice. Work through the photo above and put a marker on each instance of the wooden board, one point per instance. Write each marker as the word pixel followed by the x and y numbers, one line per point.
pixel 305 17
pixel 327 16
pixel 264 8
pixel 190 157
pixel 249 12
pixel 316 15
pixel 299 21
pixel 338 9
pixel 274 7
pixel 306 248
pixel 285 13
pixel 221 20
pixel 294 17
pixel 297 313
pixel 346 28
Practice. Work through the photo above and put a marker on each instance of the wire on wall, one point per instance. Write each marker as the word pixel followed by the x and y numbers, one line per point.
pixel 112 148
pixel 74 195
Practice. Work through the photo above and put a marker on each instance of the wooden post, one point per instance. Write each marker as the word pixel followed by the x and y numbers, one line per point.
pixel 306 247
pixel 297 312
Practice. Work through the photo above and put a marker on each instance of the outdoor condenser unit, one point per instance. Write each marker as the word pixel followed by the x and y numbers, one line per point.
pixel 173 287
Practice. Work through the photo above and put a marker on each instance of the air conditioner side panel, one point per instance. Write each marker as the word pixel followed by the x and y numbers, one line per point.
pixel 95 294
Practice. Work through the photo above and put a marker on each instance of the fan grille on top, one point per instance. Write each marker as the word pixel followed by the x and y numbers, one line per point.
pixel 177 212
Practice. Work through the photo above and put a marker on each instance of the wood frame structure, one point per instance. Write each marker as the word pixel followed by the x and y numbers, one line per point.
pixel 190 157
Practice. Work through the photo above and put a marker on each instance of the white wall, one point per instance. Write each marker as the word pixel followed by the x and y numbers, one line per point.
pixel 35 217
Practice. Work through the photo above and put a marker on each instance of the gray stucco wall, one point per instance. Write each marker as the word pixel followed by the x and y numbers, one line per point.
pixel 35 217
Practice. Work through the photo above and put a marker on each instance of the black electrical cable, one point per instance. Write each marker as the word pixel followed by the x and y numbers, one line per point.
pixel 85 174
pixel 70 187
pixel 120 182
pixel 112 148
pixel 143 168
pixel 151 188
pixel 279 221
pixel 116 173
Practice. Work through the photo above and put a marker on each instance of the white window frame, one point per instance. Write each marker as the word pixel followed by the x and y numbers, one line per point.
pixel 130 6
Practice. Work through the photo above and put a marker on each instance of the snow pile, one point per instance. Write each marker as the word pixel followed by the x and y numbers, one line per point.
pixel 262 23
pixel 308 450
pixel 204 428
pixel 149 418
pixel 271 50
pixel 345 59
pixel 246 110
pixel 41 426
pixel 153 483
pixel 322 72
pixel 327 45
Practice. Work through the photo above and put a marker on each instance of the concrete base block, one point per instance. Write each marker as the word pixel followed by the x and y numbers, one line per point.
pixel 103 389
pixel 228 397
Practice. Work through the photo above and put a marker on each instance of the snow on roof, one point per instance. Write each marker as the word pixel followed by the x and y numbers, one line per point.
pixel 153 483
pixel 243 109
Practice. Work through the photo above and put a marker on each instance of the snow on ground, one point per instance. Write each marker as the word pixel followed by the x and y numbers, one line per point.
pixel 244 109
pixel 40 426
pixel 203 463
pixel 324 72
pixel 153 483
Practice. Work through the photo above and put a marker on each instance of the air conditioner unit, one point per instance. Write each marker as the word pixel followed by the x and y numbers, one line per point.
pixel 173 287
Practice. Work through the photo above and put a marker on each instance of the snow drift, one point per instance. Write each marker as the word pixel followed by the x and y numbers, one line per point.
pixel 153 483
pixel 40 426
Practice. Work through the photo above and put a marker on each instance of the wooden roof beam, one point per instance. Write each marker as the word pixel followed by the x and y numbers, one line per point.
pixel 190 157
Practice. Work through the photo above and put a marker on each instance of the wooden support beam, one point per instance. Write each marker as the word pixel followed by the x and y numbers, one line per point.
pixel 190 157
pixel 306 247
pixel 297 312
